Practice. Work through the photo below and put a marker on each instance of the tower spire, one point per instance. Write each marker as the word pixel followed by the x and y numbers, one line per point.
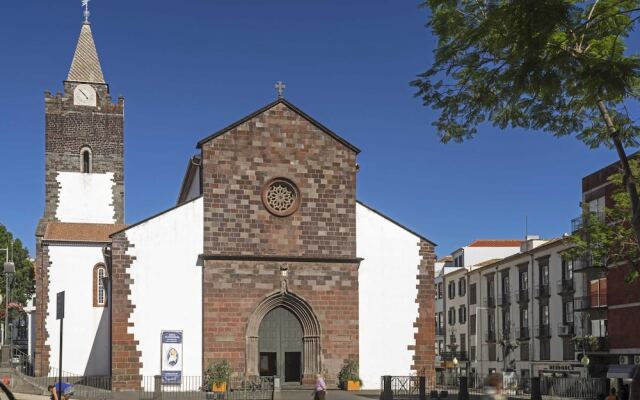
pixel 85 66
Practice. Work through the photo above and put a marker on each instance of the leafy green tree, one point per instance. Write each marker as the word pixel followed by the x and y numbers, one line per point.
pixel 559 66
pixel 23 283
pixel 609 239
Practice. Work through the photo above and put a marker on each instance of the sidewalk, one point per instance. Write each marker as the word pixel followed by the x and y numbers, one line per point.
pixel 24 396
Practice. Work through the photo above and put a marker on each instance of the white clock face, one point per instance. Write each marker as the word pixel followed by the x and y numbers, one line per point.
pixel 84 95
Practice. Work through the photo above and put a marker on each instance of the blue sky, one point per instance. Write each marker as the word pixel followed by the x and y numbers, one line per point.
pixel 188 68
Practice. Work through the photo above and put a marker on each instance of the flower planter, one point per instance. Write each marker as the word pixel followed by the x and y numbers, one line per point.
pixel 219 387
pixel 353 385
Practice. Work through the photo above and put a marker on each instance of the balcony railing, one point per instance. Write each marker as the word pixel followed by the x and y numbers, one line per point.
pixel 440 331
pixel 523 295
pixel 490 301
pixel 523 333
pixel 586 263
pixel 504 299
pixel 542 291
pixel 566 329
pixel 583 220
pixel 596 344
pixel 595 301
pixel 543 331
pixel 449 355
pixel 565 286
pixel 490 336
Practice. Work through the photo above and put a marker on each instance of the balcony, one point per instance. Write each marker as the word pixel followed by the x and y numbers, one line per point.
pixel 565 286
pixel 585 264
pixel 523 333
pixel 504 299
pixel 523 295
pixel 596 301
pixel 440 331
pixel 591 344
pixel 543 331
pixel 566 329
pixel 578 223
pixel 490 301
pixel 542 291
pixel 450 355
pixel 490 336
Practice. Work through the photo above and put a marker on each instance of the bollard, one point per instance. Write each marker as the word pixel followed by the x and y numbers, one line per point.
pixel 387 394
pixel 422 387
pixel 157 387
pixel 535 388
pixel 463 392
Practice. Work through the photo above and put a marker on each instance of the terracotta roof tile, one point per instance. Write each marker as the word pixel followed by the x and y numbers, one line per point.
pixel 496 243
pixel 78 232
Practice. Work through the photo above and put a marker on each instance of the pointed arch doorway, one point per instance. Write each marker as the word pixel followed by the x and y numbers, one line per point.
pixel 283 339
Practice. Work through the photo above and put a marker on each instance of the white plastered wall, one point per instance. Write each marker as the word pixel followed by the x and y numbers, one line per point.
pixel 167 288
pixel 85 198
pixel 86 328
pixel 387 292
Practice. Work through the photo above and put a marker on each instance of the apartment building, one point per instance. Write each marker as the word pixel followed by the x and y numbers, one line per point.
pixel 451 307
pixel 608 312
pixel 518 312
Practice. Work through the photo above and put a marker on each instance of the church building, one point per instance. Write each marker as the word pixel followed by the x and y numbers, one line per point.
pixel 267 260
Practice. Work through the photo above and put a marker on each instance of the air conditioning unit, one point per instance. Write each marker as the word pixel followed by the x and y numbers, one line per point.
pixel 622 360
pixel 636 360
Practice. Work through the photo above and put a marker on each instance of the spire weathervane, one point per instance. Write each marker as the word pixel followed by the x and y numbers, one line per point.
pixel 85 4
pixel 280 86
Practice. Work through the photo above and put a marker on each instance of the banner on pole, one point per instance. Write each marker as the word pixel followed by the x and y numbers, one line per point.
pixel 171 351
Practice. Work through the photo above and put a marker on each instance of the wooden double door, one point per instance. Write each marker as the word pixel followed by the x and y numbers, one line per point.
pixel 280 346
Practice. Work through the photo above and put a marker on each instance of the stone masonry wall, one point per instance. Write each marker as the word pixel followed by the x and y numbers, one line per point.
pixel 125 357
pixel 233 289
pixel 42 350
pixel 279 143
pixel 423 360
pixel 69 128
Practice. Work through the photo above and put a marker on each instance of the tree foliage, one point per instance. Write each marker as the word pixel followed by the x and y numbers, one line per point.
pixel 535 64
pixel 608 239
pixel 23 283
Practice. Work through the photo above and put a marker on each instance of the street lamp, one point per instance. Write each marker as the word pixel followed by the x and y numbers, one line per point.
pixel 585 360
pixel 9 271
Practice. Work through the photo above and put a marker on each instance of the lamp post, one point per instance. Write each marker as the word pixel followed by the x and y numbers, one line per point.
pixel 9 271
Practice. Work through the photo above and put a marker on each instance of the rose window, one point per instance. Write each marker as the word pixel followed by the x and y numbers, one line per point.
pixel 281 197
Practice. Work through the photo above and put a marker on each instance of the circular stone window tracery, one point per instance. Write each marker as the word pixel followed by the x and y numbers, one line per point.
pixel 281 197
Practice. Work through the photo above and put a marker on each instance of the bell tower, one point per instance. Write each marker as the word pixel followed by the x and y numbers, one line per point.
pixel 84 151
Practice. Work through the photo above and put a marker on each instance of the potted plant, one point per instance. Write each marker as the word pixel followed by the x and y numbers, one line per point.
pixel 217 375
pixel 348 376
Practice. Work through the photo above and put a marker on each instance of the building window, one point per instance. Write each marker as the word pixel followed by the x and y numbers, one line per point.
pixel 440 290
pixel 462 287
pixel 452 290
pixel 452 316
pixel 524 280
pixel 99 291
pixel 472 324
pixel 463 343
pixel 598 292
pixel 281 197
pixel 567 269
pixel 544 315
pixel 524 318
pixel 462 314
pixel 472 294
pixel 599 327
pixel 544 274
pixel 568 312
pixel 545 350
pixel 490 286
pixel 86 160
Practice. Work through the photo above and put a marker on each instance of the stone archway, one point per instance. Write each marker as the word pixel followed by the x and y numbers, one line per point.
pixel 311 362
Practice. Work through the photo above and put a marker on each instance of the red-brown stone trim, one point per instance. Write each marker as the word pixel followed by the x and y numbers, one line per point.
pixel 96 287
pixel 125 356
pixel 42 349
pixel 424 348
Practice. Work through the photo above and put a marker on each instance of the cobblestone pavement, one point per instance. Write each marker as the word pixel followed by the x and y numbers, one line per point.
pixel 331 395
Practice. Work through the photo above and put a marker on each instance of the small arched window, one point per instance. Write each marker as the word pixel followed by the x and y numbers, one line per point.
pixel 99 290
pixel 86 160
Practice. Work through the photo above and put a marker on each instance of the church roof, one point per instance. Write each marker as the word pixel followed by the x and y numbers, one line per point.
pixel 80 232
pixel 85 66
pixel 495 243
pixel 294 109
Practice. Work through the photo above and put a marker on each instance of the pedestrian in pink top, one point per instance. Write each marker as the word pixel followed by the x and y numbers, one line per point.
pixel 321 388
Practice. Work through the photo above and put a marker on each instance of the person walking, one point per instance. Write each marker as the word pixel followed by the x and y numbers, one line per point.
pixel 493 388
pixel 320 389
pixel 613 395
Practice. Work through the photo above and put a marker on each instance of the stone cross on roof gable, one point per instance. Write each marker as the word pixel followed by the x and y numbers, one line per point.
pixel 280 86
